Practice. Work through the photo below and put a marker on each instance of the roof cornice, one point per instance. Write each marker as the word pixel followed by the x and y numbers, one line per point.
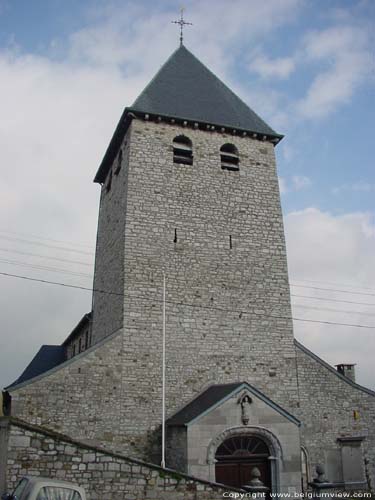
pixel 130 113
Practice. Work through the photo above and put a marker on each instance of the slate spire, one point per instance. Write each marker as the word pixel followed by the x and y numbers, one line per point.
pixel 185 89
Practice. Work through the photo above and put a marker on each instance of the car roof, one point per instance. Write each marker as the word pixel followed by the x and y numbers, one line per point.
pixel 46 481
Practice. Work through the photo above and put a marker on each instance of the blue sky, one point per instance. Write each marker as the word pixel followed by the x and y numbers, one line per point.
pixel 68 68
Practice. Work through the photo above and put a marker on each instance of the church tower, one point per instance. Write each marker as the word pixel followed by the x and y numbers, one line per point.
pixel 189 192
pixel 189 188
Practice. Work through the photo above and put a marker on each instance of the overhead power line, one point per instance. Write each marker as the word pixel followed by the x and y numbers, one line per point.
pixel 332 300
pixel 30 242
pixel 27 235
pixel 335 284
pixel 211 308
pixel 315 308
pixel 76 273
pixel 45 268
pixel 333 290
pixel 10 250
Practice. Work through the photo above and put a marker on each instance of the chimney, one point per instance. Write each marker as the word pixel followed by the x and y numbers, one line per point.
pixel 347 370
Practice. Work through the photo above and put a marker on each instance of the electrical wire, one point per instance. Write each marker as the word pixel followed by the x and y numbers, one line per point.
pixel 10 250
pixel 45 268
pixel 333 290
pixel 87 245
pixel 334 284
pixel 303 306
pixel 212 308
pixel 332 300
pixel 67 249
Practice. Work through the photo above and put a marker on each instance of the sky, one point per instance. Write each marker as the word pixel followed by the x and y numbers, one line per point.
pixel 68 69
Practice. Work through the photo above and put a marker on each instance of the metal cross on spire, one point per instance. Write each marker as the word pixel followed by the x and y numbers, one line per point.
pixel 182 23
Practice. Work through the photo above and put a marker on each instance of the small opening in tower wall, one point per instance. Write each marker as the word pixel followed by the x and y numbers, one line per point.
pixel 229 157
pixel 119 162
pixel 109 181
pixel 175 236
pixel 230 242
pixel 182 150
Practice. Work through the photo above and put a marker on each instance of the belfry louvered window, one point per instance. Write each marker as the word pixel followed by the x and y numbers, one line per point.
pixel 229 157
pixel 182 150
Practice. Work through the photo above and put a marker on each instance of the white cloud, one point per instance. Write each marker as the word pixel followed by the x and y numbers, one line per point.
pixel 280 67
pixel 345 52
pixel 301 182
pixel 293 184
pixel 334 252
pixel 282 185
pixel 57 119
pixel 58 114
pixel 361 187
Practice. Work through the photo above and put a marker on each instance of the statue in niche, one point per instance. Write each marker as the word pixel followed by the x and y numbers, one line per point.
pixel 245 402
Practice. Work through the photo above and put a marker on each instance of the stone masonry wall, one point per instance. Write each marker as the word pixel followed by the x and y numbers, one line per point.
pixel 109 256
pixel 82 398
pixel 81 341
pixel 228 308
pixel 105 476
pixel 327 404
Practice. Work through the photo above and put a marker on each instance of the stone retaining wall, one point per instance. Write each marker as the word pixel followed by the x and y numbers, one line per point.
pixel 31 450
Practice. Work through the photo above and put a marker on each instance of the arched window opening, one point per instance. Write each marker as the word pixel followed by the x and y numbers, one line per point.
pixel 229 157
pixel 242 446
pixel 182 150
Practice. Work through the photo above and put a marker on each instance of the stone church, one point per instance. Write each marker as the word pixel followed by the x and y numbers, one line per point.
pixel 189 190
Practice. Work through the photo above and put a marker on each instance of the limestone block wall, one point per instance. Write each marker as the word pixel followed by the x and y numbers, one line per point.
pixel 34 451
pixel 327 405
pixel 109 266
pixel 281 435
pixel 82 398
pixel 228 309
pixel 80 342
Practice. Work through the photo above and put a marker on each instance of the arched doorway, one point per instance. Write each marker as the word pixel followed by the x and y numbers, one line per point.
pixel 236 457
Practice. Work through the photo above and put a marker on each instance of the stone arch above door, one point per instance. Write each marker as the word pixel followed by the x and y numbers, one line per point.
pixel 268 437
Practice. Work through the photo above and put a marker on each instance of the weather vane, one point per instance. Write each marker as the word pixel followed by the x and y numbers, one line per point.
pixel 182 23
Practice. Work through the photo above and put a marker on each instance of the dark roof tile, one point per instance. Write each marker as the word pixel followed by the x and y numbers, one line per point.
pixel 45 359
pixel 185 88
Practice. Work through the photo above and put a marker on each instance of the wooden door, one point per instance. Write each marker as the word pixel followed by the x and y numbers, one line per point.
pixel 237 456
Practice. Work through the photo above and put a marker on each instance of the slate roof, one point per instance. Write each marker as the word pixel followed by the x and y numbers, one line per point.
pixel 214 395
pixel 46 358
pixel 202 403
pixel 184 89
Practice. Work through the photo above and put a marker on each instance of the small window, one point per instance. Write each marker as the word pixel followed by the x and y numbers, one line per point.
pixel 80 345
pixel 21 486
pixel 86 340
pixel 182 150
pixel 118 163
pixel 109 181
pixel 229 157
pixel 74 350
pixel 58 493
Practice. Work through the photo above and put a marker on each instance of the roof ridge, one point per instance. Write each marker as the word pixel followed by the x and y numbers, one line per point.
pixel 227 88
pixel 157 74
